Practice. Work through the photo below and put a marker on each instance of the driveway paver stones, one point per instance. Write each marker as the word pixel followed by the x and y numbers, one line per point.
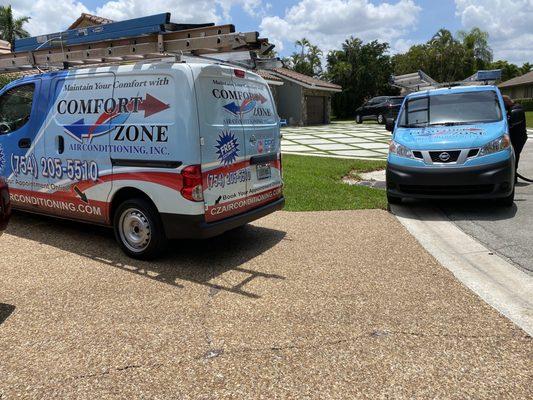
pixel 325 305
pixel 343 139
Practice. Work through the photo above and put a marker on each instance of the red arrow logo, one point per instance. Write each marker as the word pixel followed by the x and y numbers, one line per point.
pixel 152 106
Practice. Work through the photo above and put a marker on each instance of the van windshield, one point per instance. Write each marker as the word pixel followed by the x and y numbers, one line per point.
pixel 451 109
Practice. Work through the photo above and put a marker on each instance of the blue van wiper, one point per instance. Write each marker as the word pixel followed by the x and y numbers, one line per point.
pixel 448 123
pixel 412 126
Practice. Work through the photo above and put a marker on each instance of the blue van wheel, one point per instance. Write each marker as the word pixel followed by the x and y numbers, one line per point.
pixel 507 201
pixel 393 199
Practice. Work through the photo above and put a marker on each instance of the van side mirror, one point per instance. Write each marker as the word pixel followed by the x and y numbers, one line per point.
pixel 516 115
pixel 389 124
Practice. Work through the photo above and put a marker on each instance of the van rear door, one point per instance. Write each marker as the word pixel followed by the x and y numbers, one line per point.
pixel 261 139
pixel 225 171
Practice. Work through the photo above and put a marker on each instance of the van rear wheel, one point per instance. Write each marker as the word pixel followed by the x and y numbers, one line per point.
pixel 138 229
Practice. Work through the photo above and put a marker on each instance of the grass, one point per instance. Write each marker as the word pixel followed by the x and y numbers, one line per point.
pixel 529 119
pixel 314 184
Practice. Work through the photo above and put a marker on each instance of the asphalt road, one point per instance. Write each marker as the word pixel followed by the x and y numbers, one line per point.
pixel 509 232
pixel 297 305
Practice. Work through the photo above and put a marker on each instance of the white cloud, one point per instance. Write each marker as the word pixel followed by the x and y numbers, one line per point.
pixel 508 22
pixel 48 16
pixel 328 23
pixel 52 16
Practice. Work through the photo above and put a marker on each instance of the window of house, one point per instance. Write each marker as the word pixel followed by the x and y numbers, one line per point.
pixel 15 108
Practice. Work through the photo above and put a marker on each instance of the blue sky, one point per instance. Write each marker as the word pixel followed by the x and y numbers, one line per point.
pixel 324 22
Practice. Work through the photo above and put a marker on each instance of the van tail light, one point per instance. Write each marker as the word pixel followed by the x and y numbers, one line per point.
pixel 280 166
pixel 239 73
pixel 192 183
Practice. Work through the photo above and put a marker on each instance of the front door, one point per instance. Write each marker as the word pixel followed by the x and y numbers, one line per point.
pixel 21 117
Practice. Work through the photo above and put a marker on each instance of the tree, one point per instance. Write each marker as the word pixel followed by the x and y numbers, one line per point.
pixel 11 28
pixel 525 68
pixel 476 43
pixel 307 61
pixel 447 58
pixel 363 71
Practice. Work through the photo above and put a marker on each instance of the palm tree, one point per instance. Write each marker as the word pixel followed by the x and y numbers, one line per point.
pixel 11 28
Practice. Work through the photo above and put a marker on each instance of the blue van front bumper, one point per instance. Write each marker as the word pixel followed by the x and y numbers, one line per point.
pixel 495 180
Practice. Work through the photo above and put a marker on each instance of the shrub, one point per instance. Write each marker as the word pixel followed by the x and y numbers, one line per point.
pixel 6 78
pixel 526 103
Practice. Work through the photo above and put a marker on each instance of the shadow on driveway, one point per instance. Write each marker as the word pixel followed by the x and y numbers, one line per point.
pixel 196 261
pixel 466 210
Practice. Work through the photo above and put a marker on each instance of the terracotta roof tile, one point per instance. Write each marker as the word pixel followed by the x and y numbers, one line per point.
pixel 519 80
pixel 308 80
pixel 269 77
pixel 96 20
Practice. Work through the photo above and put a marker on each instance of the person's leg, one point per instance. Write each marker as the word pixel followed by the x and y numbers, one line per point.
pixel 517 149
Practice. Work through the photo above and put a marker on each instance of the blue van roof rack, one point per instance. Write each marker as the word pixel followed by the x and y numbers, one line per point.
pixel 152 37
pixel 419 80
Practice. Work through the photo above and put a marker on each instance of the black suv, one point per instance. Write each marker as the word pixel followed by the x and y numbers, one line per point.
pixel 379 108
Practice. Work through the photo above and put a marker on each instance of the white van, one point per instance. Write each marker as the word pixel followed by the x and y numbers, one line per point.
pixel 158 151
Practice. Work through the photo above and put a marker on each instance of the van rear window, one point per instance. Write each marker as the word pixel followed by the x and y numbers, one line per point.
pixel 452 109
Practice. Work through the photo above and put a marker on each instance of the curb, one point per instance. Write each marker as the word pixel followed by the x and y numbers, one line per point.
pixel 497 282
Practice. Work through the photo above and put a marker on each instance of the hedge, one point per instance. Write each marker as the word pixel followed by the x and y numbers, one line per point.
pixel 526 103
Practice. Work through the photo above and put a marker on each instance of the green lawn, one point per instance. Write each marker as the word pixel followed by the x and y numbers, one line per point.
pixel 314 184
pixel 529 119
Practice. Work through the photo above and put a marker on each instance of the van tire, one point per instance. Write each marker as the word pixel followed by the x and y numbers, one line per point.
pixel 507 201
pixel 139 230
pixel 381 119
pixel 358 119
pixel 393 199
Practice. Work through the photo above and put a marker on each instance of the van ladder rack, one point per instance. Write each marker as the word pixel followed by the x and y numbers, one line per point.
pixel 171 39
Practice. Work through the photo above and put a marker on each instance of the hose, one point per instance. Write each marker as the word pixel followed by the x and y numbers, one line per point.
pixel 524 178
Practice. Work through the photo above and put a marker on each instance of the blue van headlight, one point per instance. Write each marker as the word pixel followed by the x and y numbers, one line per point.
pixel 400 150
pixel 496 145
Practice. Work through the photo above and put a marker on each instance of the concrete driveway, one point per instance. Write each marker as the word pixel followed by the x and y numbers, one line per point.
pixel 297 305
pixel 506 231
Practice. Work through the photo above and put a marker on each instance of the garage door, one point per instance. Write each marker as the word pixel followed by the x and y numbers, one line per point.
pixel 315 110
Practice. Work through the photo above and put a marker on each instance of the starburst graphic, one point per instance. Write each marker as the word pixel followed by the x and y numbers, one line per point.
pixel 227 147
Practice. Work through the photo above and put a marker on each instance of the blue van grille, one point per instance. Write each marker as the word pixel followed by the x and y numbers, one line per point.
pixel 445 156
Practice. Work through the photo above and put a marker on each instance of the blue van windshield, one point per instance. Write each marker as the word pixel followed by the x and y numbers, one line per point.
pixel 451 109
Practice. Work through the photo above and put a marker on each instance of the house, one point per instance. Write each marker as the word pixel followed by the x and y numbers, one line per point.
pixel 301 99
pixel 86 20
pixel 520 87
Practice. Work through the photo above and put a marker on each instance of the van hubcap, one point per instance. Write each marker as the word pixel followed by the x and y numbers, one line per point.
pixel 135 230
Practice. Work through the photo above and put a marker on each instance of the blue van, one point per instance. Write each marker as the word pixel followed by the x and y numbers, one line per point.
pixel 451 143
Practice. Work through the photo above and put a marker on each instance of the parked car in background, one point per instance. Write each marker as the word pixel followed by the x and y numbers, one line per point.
pixel 5 206
pixel 379 109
